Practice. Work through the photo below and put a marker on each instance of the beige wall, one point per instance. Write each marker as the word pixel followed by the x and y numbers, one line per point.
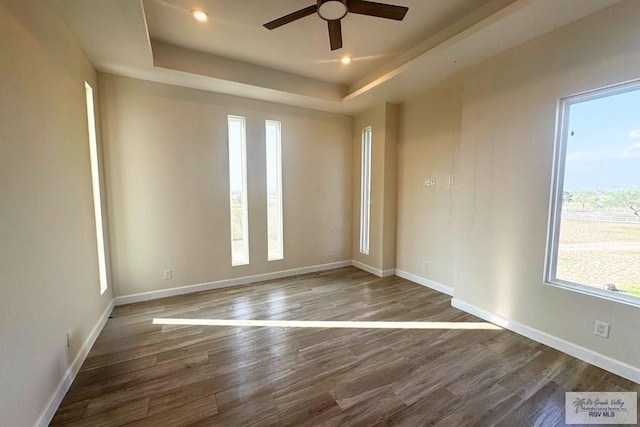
pixel 429 148
pixel 390 198
pixel 382 233
pixel 167 179
pixel 494 252
pixel 48 258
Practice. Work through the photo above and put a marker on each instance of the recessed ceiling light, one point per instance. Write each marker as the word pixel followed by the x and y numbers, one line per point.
pixel 200 15
pixel 346 60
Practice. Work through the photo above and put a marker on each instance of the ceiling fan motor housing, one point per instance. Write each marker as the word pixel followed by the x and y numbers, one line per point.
pixel 331 10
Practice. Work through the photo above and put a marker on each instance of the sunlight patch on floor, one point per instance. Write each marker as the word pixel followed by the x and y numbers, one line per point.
pixel 326 324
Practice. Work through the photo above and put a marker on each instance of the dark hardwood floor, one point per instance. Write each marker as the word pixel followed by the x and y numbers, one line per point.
pixel 146 374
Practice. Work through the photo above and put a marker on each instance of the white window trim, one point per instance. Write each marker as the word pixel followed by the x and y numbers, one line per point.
pixel 365 189
pixel 95 185
pixel 280 256
pixel 245 211
pixel 557 190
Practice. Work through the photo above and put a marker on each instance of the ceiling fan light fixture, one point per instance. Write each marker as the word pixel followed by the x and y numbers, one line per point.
pixel 331 10
pixel 200 15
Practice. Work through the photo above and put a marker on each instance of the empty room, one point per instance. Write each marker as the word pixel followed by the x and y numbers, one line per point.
pixel 319 212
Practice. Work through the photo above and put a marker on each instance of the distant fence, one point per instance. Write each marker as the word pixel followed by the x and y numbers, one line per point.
pixel 602 216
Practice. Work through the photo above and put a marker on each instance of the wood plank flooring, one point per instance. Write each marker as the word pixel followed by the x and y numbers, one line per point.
pixel 145 374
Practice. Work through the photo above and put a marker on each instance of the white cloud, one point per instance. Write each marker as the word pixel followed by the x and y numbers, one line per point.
pixel 632 152
pixel 634 133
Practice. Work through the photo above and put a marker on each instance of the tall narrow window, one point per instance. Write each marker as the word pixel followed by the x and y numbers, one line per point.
pixel 95 181
pixel 594 230
pixel 275 249
pixel 365 190
pixel 238 190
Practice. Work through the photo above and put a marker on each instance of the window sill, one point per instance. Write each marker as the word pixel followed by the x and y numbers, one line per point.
pixel 595 292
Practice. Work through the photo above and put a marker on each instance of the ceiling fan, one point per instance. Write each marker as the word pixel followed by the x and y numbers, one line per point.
pixel 333 11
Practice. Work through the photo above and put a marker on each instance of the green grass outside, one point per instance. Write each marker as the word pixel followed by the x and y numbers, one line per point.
pixel 599 253
pixel 631 290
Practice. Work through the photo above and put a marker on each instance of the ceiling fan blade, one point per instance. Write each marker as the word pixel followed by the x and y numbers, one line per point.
pixel 381 10
pixel 335 34
pixel 291 17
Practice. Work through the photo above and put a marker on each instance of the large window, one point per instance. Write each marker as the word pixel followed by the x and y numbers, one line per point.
pixel 594 233
pixel 275 249
pixel 365 191
pixel 95 181
pixel 238 191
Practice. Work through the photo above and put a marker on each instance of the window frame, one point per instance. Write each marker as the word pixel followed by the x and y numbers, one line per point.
pixel 366 149
pixel 280 219
pixel 245 210
pixel 557 191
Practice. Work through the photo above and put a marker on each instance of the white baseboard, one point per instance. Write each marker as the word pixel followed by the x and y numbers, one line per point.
pixel 607 363
pixel 52 405
pixel 389 272
pixel 373 270
pixel 425 282
pixel 163 293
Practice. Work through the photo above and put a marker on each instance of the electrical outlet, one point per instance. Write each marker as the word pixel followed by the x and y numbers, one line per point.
pixel 168 274
pixel 424 264
pixel 601 329
pixel 330 251
pixel 69 337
